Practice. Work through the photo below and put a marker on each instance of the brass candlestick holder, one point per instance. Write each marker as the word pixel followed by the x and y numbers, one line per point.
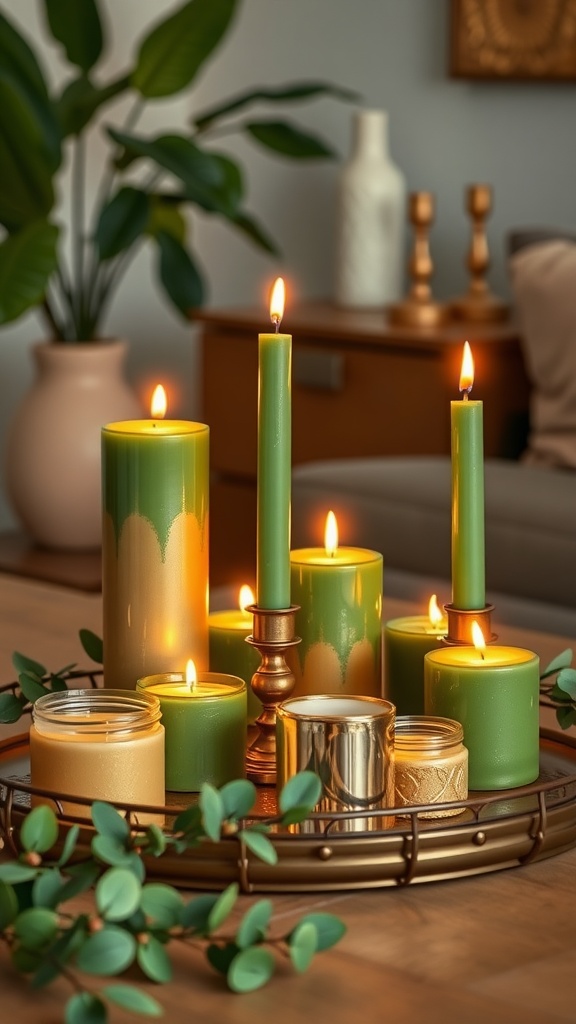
pixel 479 303
pixel 419 309
pixel 460 625
pixel 273 682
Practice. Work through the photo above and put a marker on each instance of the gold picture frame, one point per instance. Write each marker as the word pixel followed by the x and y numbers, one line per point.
pixel 519 40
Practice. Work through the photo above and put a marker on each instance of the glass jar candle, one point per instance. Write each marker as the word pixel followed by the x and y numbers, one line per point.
pixel 101 744
pixel 431 763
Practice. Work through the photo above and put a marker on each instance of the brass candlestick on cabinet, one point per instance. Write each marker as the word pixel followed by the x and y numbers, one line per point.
pixel 419 309
pixel 273 682
pixel 460 625
pixel 479 304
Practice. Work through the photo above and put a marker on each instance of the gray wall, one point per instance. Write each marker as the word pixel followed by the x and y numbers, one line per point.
pixel 444 134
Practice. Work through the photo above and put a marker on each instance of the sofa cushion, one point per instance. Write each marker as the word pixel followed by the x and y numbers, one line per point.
pixel 543 279
pixel 402 507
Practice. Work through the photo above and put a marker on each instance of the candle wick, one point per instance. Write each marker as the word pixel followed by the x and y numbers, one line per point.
pixel 481 653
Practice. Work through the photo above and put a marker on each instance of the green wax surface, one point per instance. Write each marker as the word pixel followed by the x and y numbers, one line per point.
pixel 406 641
pixel 155 469
pixel 468 567
pixel 339 621
pixel 205 730
pixel 229 652
pixel 496 702
pixel 274 471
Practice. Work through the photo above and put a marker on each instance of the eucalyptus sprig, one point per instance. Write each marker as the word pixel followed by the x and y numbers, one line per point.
pixel 133 921
pixel 561 693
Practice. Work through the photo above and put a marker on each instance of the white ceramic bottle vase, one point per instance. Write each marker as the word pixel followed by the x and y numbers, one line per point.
pixel 371 215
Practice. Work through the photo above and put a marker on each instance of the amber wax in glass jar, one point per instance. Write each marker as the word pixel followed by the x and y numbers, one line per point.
pixel 99 744
pixel 431 763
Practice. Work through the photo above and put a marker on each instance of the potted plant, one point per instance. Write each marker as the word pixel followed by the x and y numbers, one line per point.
pixel 148 184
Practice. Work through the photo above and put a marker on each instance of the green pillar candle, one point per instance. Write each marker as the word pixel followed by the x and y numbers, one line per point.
pixel 406 641
pixel 494 694
pixel 339 621
pixel 468 571
pixel 274 462
pixel 204 725
pixel 154 548
pixel 229 652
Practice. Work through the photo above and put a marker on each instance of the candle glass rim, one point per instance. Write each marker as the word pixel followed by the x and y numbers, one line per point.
pixel 166 679
pixel 430 733
pixel 387 708
pixel 92 711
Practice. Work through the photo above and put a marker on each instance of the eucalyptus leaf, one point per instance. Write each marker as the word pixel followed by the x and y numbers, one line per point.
pixel 190 820
pixel 133 999
pixel 13 872
pixel 196 913
pixel 109 951
pixel 11 708
pixel 260 845
pixel 212 807
pixel 285 138
pixel 238 798
pixel 223 907
pixel 161 904
pixel 23 664
pixel 109 822
pixel 47 888
pixel 566 717
pixel 155 840
pixel 221 956
pixel 39 830
pixel 566 681
pixel 110 851
pixel 117 894
pixel 301 791
pixel 251 969
pixel 81 878
pixel 254 924
pixel 562 660
pixel 57 683
pixel 69 844
pixel 76 24
pixel 303 944
pixel 36 927
pixel 31 688
pixel 92 644
pixel 8 905
pixel 329 929
pixel 26 960
pixel 85 1008
pixel 153 959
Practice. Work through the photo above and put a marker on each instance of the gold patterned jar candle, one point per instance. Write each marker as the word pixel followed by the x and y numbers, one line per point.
pixel 431 763
pixel 99 744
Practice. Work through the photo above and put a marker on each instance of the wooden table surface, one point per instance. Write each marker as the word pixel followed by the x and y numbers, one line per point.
pixel 498 948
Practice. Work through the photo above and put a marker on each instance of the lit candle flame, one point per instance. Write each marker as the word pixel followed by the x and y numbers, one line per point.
pixel 158 404
pixel 434 612
pixel 478 638
pixel 467 371
pixel 245 597
pixel 277 302
pixel 191 677
pixel 331 534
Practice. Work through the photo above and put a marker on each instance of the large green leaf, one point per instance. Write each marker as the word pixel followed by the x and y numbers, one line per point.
pixel 285 138
pixel 76 24
pixel 171 55
pixel 27 259
pixel 249 227
pixel 81 99
pixel 179 274
pixel 297 91
pixel 26 166
pixel 121 222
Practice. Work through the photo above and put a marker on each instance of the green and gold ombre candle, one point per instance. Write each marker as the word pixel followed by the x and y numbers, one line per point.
pixel 339 591
pixel 154 546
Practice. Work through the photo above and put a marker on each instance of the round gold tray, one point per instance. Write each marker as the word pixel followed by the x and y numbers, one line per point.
pixel 493 831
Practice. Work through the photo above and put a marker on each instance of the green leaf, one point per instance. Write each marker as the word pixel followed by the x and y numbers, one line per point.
pixel 85 1008
pixel 153 959
pixel 303 944
pixel 566 681
pixel 57 683
pixel 566 717
pixel 59 953
pixel 81 99
pixel 23 664
pixel 196 913
pixel 11 708
pixel 223 907
pixel 156 841
pixel 121 222
pixel 162 905
pixel 212 807
pixel 117 894
pixel 189 821
pixel 36 927
pixel 254 924
pixel 282 94
pixel 172 54
pixel 39 830
pixel 76 24
pixel 179 275
pixel 26 960
pixel 47 888
pixel 300 794
pixel 27 260
pixel 251 969
pixel 8 905
pixel 285 138
pixel 164 216
pixel 13 872
pixel 329 929
pixel 260 845
pixel 562 660
pixel 81 878
pixel 133 999
pixel 69 844
pixel 109 951
pixel 221 957
pixel 111 851
pixel 245 223
pixel 92 644
pixel 109 822
pixel 238 798
pixel 31 688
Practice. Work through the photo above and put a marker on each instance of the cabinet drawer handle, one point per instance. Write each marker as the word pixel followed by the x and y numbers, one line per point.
pixel 323 371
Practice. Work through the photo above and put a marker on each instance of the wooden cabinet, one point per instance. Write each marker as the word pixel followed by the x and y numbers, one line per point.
pixel 360 388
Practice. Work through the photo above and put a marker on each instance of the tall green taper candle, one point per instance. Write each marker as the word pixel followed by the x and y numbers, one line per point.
pixel 468 572
pixel 494 695
pixel 274 461
pixel 154 548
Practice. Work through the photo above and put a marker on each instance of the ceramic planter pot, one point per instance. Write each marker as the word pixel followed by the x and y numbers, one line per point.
pixel 53 450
